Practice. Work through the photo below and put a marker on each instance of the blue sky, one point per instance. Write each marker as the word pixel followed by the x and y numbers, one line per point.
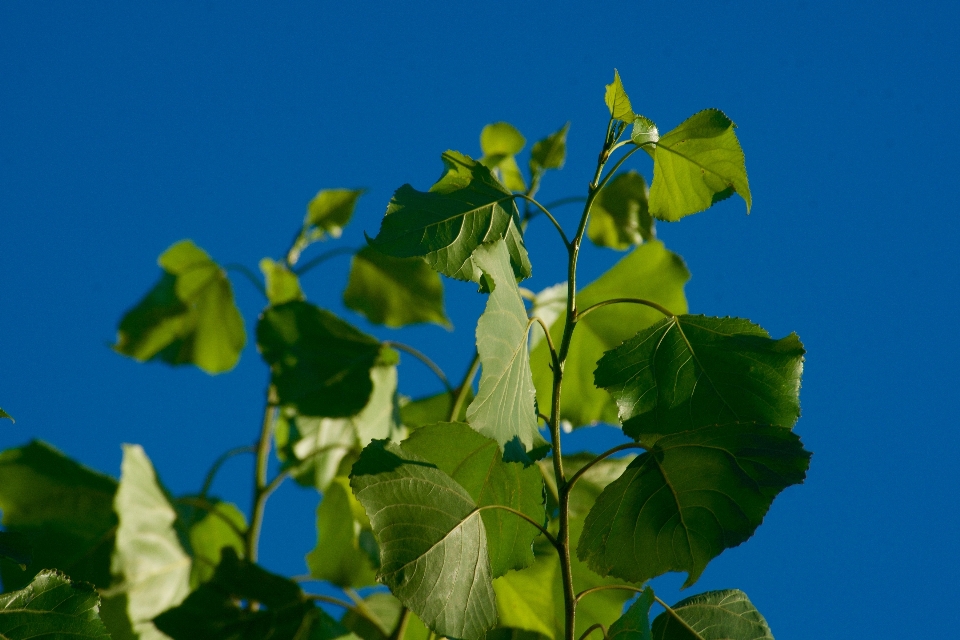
pixel 125 127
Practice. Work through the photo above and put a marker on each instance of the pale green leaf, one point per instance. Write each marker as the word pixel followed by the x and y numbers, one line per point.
pixel 189 317
pixel 692 371
pixel 500 142
pixel 433 545
pixel 149 564
pixel 52 607
pixel 548 305
pixel 634 624
pixel 465 209
pixel 319 364
pixel 476 463
pixel 695 165
pixel 215 530
pixel 714 615
pixel 504 408
pixel 650 272
pixel 340 557
pixel 62 509
pixel 327 214
pixel 282 284
pixel 617 101
pixel 549 153
pixel 619 218
pixel 644 131
pixel 694 494
pixel 394 291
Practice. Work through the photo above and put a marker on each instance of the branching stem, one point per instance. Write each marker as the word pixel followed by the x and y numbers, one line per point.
pixel 260 486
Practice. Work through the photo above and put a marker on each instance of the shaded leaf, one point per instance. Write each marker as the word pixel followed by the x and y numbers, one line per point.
pixel 650 272
pixel 15 547
pixel 52 607
pixel 189 317
pixel 694 494
pixel 465 209
pixel 433 545
pixel 432 409
pixel 385 610
pixel 617 101
pixel 339 556
pixel 62 508
pixel 149 564
pixel 634 624
pixel 327 214
pixel 282 284
pixel 500 142
pixel 692 371
pixel 695 165
pixel 476 463
pixel 319 364
pixel 504 408
pixel 210 535
pixel 619 217
pixel 394 291
pixel 715 615
pixel 551 152
pixel 4 414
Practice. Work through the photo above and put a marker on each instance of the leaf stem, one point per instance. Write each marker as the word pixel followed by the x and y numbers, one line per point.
pixel 556 224
pixel 343 604
pixel 676 616
pixel 202 503
pixel 419 355
pixel 607 587
pixel 520 514
pixel 563 201
pixel 605 454
pixel 260 486
pixel 464 387
pixel 598 625
pixel 323 257
pixel 219 462
pixel 546 334
pixel 401 628
pixel 646 303
pixel 243 270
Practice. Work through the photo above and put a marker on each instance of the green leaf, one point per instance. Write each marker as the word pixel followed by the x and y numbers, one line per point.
pixel 282 284
pixel 650 272
pixel 319 364
pixel 189 317
pixel 590 484
pixel 635 623
pixel 63 509
pixel 340 557
pixel 715 615
pixel 327 214
pixel 385 610
pixel 315 450
pixel 695 165
pixel 619 217
pixel 617 101
pixel 465 209
pixel 433 545
pixel 15 546
pixel 432 409
pixel 694 494
pixel 52 607
pixel 549 153
pixel 692 371
pixel 213 611
pixel 505 407
pixel 500 142
pixel 477 465
pixel 149 564
pixel 644 131
pixel 210 535
pixel 4 414
pixel 394 291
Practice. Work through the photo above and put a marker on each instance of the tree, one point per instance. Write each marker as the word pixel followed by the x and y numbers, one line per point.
pixel 462 504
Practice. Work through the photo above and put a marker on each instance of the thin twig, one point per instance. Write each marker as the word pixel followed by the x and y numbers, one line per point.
pixel 598 625
pixel 605 454
pixel 203 504
pixel 646 303
pixel 520 514
pixel 419 355
pixel 464 388
pixel 215 467
pixel 345 605
pixel 556 224
pixel 242 269
pixel 323 257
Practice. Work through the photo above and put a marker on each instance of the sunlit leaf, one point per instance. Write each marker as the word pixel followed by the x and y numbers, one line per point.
pixel 476 463
pixel 650 272
pixel 695 165
pixel 504 408
pixel 327 214
pixel 340 556
pixel 212 532
pixel 319 364
pixel 52 607
pixel 149 564
pixel 692 371
pixel 644 131
pixel 617 101
pixel 619 217
pixel 551 152
pixel 634 624
pixel 394 291
pixel 715 615
pixel 694 494
pixel 189 317
pixel 432 409
pixel 433 545
pixel 282 284
pixel 62 509
pixel 500 142
pixel 465 209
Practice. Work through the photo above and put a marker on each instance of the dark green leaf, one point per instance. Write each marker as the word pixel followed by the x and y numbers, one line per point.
pixel 210 535
pixel 15 546
pixel 635 623
pixel 476 463
pixel 433 545
pixel 189 317
pixel 52 607
pixel 4 414
pixel 432 409
pixel 339 556
pixel 465 209
pixel 319 364
pixel 692 371
pixel 500 142
pixel 715 615
pixel 549 153
pixel 282 284
pixel 394 291
pixel 504 408
pixel 617 101
pixel 695 165
pixel 650 272
pixel 619 217
pixel 149 564
pixel 694 494
pixel 63 509
pixel 213 611
pixel 327 214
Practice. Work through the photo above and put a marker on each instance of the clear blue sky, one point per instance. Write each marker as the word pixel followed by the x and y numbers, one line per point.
pixel 127 126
